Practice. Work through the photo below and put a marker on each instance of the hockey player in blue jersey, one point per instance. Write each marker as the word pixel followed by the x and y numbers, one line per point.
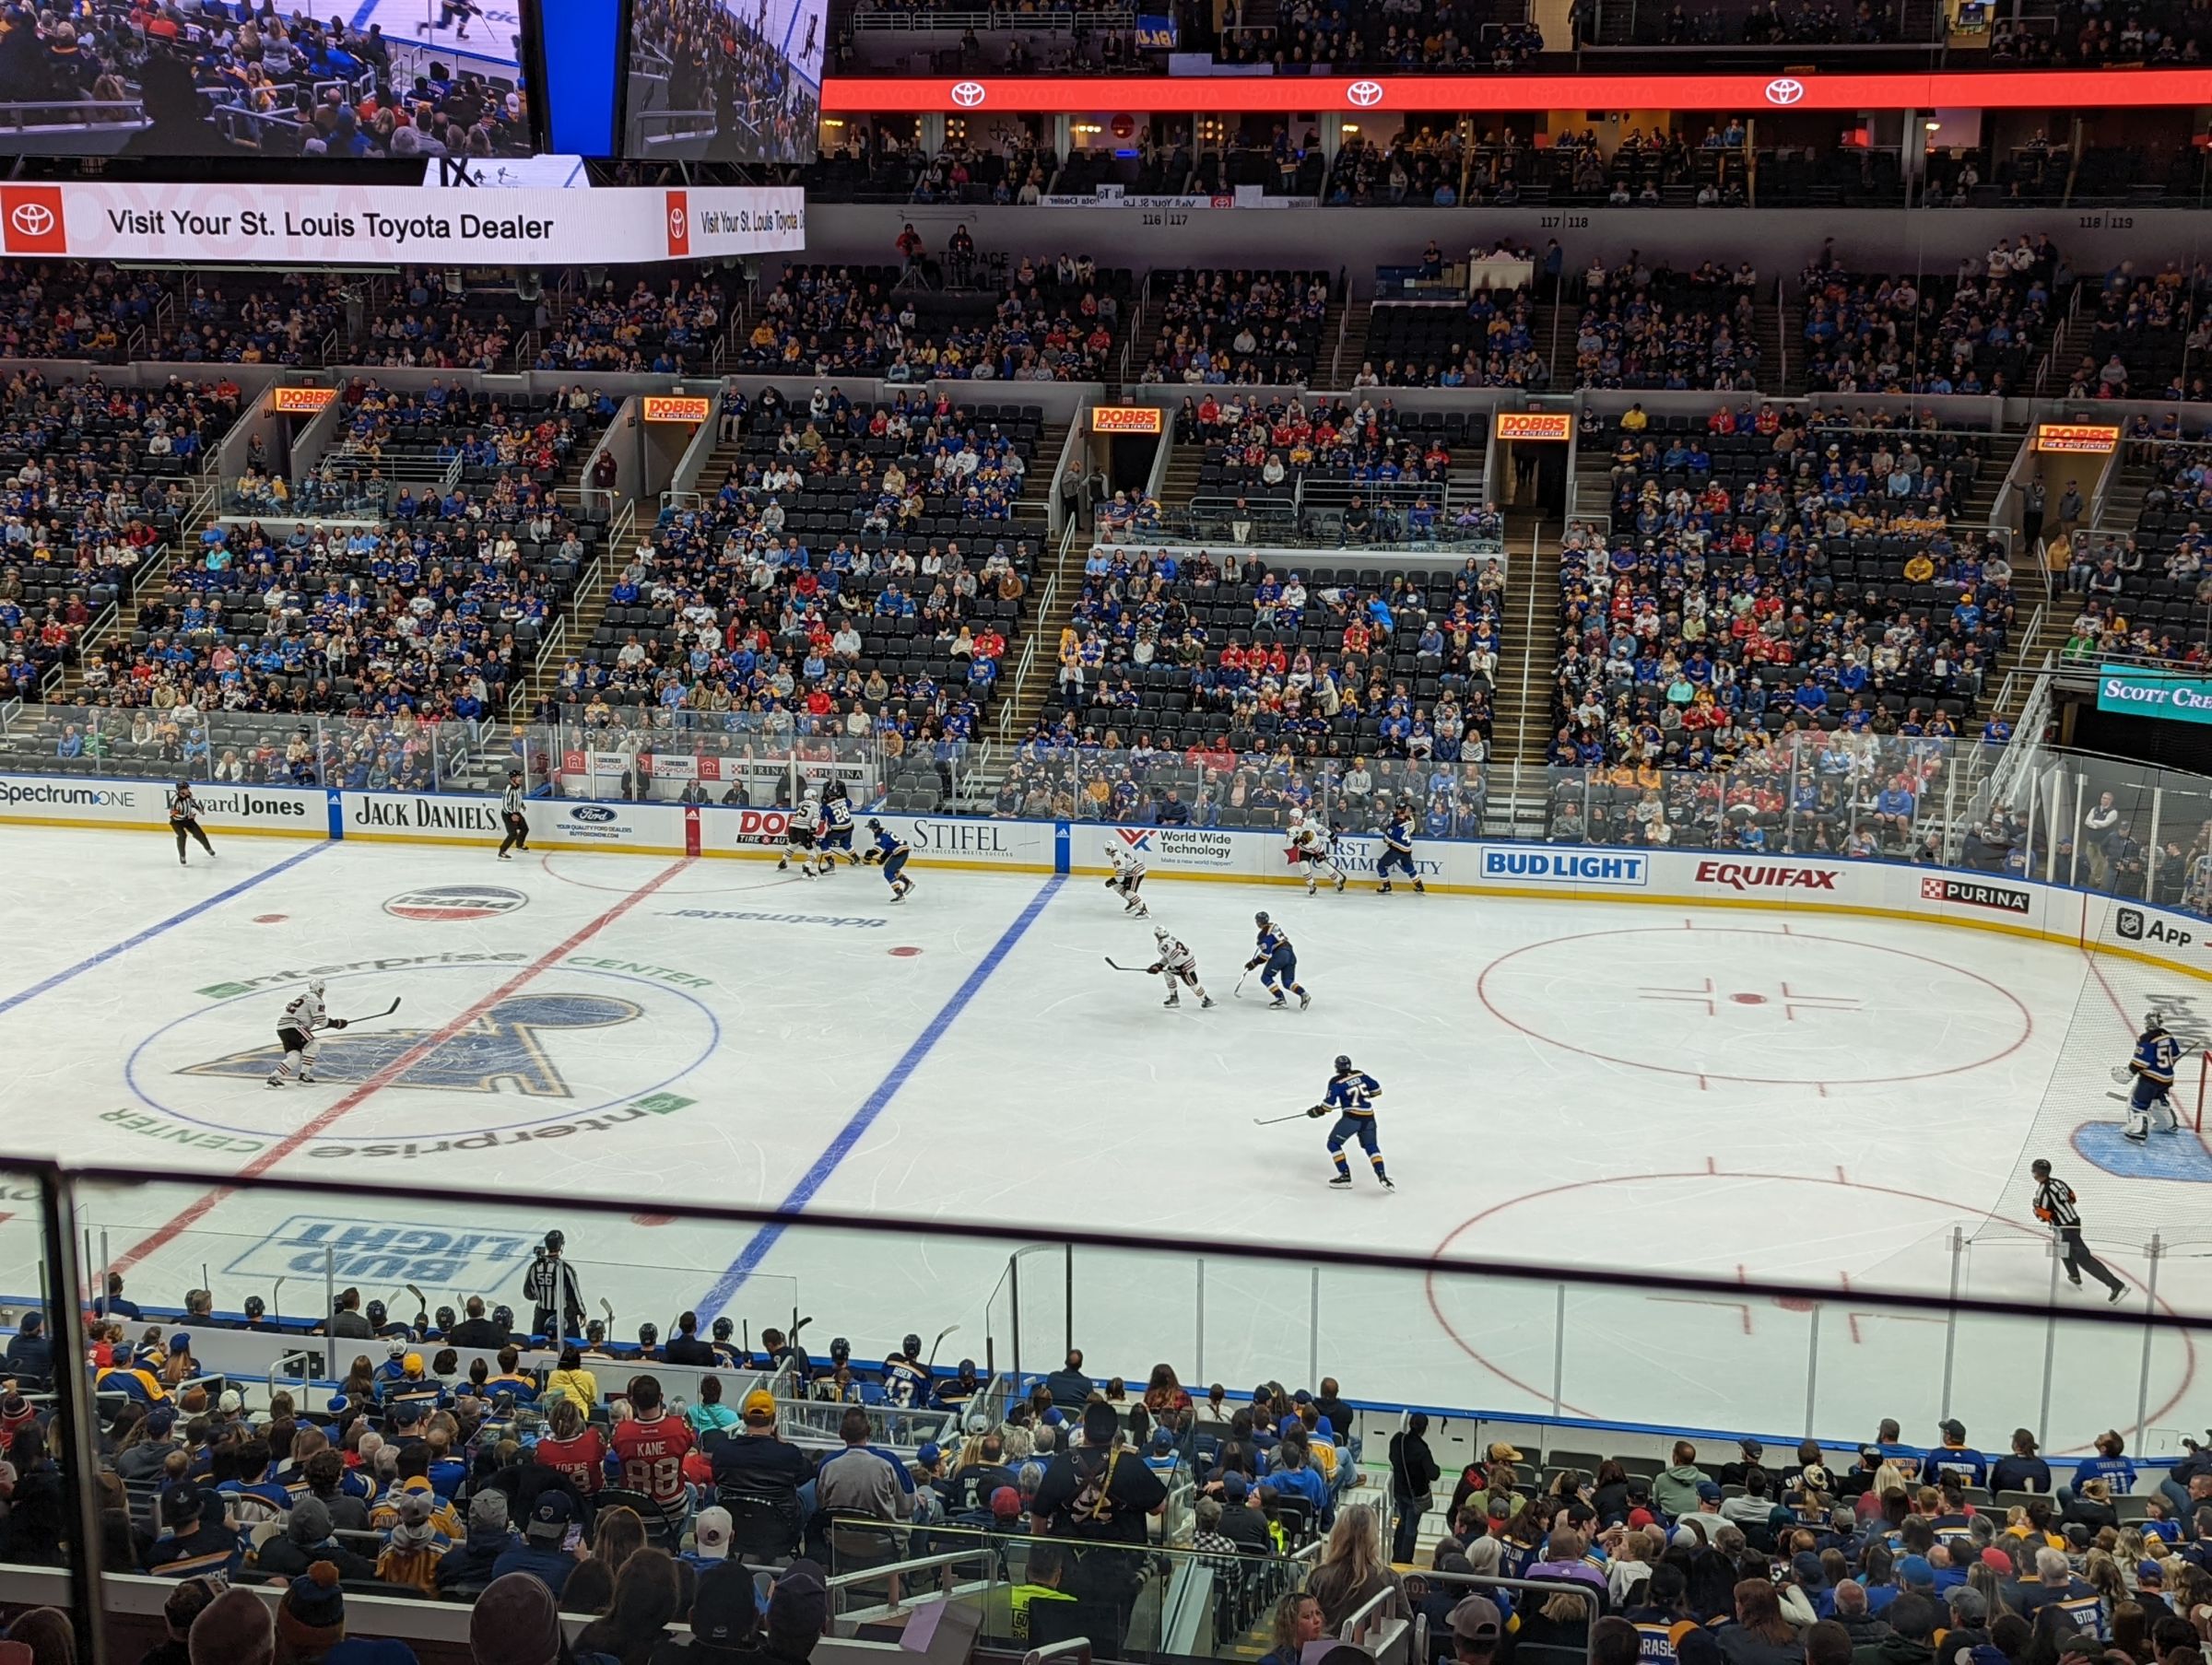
pixel 905 1376
pixel 834 830
pixel 2148 1106
pixel 1352 1094
pixel 1397 850
pixel 892 852
pixel 1280 960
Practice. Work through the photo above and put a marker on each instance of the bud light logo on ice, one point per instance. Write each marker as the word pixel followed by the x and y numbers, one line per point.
pixel 1567 867
pixel 382 1251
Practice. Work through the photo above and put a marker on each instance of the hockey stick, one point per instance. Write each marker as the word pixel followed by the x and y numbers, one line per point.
pixel 1111 961
pixel 1238 992
pixel 930 1363
pixel 1271 1121
pixel 369 1016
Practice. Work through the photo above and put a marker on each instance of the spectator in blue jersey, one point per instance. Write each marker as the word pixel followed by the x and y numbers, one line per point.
pixel 195 1541
pixel 2108 1465
pixel 1956 1455
pixel 540 1555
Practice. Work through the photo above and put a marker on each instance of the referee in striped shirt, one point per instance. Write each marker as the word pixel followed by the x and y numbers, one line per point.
pixel 2055 1207
pixel 510 812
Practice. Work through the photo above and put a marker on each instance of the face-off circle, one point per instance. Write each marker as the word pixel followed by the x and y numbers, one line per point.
pixel 575 1042
pixel 1768 1007
pixel 1687 1358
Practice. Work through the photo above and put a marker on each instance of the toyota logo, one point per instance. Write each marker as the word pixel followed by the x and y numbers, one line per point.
pixel 1364 95
pixel 968 94
pixel 32 220
pixel 1787 91
pixel 676 222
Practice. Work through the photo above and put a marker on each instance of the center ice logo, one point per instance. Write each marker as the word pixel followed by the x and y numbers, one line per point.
pixel 501 1051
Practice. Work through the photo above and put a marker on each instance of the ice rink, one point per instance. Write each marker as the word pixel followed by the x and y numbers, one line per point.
pixel 1732 1092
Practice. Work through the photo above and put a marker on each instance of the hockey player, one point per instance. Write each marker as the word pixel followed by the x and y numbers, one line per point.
pixel 184 821
pixel 2148 1106
pixel 1180 966
pixel 1280 960
pixel 511 817
pixel 1397 850
pixel 1352 1094
pixel 891 851
pixel 905 1376
pixel 1127 880
pixel 1316 852
pixel 836 825
pixel 798 836
pixel 296 1035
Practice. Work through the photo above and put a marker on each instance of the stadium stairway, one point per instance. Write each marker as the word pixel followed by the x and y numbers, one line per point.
pixel 1353 317
pixel 1529 658
pixel 149 581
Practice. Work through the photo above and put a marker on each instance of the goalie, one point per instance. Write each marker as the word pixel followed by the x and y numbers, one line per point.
pixel 296 1035
pixel 2151 1105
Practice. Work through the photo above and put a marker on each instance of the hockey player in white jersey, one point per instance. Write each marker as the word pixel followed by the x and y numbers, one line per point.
pixel 799 837
pixel 2149 1106
pixel 296 1035
pixel 1314 849
pixel 1127 880
pixel 1179 965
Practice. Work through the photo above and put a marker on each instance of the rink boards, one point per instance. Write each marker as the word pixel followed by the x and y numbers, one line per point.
pixel 2020 906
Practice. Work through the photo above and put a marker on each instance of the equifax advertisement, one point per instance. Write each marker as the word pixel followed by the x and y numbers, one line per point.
pixel 339 224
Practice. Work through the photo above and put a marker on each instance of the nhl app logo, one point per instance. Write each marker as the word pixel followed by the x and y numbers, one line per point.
pixel 445 902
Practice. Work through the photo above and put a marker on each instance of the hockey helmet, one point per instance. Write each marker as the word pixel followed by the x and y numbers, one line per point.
pixel 875 825
pixel 723 1328
pixel 556 1241
pixel 446 1320
pixel 910 1347
pixel 1260 917
pixel 375 1314
pixel 2154 1019
pixel 840 1350
pixel 502 1319
pixel 256 1307
pixel 184 786
pixel 1160 932
pixel 1343 1062
pixel 648 1334
pixel 315 985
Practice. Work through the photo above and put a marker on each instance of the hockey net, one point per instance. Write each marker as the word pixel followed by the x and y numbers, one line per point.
pixel 2128 1191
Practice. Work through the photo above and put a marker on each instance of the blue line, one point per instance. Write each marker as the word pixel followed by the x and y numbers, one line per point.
pixel 151 932
pixel 811 1182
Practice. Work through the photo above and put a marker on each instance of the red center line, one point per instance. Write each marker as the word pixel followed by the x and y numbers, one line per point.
pixel 391 1072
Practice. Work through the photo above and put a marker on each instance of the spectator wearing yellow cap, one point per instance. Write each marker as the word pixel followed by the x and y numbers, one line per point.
pixel 757 1474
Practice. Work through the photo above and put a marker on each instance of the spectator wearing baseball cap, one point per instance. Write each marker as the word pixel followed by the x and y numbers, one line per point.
pixel 1956 1455
pixel 29 1357
pixel 755 1463
pixel 308 1538
pixel 490 1535
pixel 196 1542
pixel 710 1539
pixel 726 1622
pixel 540 1555
pixel 798 1609
pixel 1476 1630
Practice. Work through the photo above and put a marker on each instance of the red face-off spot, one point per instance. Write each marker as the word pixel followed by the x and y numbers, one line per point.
pixel 271 918
pixel 653 1219
pixel 904 953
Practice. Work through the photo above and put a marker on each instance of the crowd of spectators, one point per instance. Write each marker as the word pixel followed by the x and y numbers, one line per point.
pixel 1651 327
pixel 1196 691
pixel 763 91
pixel 260 84
pixel 236 318
pixel 1249 327
pixel 670 329
pixel 2148 336
pixel 1487 341
pixel 73 308
pixel 1416 36
pixel 1784 599
pixel 1055 321
pixel 859 573
pixel 2145 593
pixel 1980 331
pixel 2092 36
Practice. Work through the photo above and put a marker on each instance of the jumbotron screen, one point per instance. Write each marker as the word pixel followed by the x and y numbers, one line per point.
pixel 735 83
pixel 400 78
